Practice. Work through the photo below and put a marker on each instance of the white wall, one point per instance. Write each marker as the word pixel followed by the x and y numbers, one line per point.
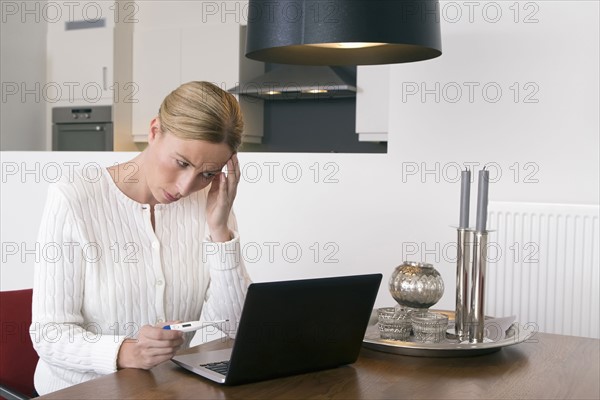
pixel 365 211
pixel 23 75
pixel 552 130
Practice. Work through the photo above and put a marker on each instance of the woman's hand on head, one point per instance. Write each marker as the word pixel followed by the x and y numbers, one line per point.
pixel 153 346
pixel 220 200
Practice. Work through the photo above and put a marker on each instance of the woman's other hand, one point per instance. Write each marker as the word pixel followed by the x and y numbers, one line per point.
pixel 153 346
pixel 220 200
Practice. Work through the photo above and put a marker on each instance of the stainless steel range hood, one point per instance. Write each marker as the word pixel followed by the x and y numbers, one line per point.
pixel 293 82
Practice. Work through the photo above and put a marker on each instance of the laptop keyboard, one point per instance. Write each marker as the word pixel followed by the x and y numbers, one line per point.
pixel 220 367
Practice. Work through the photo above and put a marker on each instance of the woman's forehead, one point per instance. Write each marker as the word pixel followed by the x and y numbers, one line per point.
pixel 200 153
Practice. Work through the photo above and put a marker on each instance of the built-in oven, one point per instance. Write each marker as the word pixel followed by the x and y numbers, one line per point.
pixel 82 128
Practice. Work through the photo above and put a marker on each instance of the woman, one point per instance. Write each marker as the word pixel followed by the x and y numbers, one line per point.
pixel 145 243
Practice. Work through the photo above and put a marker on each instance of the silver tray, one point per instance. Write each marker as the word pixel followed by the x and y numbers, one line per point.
pixel 449 348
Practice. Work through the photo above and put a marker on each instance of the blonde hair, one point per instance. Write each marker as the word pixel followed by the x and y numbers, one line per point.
pixel 202 111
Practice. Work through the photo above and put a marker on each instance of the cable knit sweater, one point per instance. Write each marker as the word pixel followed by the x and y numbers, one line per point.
pixel 103 272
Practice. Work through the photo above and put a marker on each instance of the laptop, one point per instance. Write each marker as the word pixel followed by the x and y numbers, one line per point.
pixel 292 327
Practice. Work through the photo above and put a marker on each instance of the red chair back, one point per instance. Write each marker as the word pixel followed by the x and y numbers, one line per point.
pixel 17 356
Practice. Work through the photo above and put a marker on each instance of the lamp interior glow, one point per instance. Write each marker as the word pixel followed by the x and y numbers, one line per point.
pixel 346 45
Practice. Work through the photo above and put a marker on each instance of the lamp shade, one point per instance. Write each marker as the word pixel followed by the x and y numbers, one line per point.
pixel 343 32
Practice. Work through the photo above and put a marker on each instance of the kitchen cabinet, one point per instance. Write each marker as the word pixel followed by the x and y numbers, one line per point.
pixel 80 52
pixel 179 43
pixel 89 61
pixel 372 103
pixel 164 58
pixel 80 66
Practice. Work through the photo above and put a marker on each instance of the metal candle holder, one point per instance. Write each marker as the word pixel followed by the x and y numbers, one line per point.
pixel 471 265
pixel 463 282
pixel 477 300
pixel 471 262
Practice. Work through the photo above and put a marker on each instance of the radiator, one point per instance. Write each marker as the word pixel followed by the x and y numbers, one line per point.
pixel 543 266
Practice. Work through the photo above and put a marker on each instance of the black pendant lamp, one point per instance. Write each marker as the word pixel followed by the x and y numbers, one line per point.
pixel 343 32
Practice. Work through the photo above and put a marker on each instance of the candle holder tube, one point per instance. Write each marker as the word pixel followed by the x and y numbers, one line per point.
pixel 465 239
pixel 477 309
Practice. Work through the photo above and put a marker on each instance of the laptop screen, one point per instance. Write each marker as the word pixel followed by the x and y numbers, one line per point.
pixel 305 325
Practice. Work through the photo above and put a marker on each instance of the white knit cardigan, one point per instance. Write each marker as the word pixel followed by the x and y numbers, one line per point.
pixel 103 272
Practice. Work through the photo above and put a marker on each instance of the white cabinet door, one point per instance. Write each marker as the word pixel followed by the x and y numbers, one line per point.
pixel 80 64
pixel 156 72
pixel 210 53
pixel 80 51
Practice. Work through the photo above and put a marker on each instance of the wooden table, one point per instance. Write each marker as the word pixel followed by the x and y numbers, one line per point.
pixel 544 367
